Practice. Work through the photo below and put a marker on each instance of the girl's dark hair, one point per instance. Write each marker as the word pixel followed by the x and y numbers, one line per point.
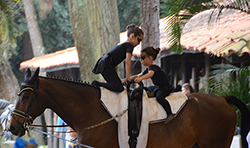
pixel 150 51
pixel 132 28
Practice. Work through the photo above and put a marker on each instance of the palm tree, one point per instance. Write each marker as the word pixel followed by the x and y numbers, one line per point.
pixel 179 11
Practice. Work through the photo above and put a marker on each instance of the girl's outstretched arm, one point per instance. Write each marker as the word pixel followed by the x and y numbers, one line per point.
pixel 128 65
pixel 146 76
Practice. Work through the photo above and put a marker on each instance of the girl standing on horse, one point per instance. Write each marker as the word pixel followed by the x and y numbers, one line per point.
pixel 107 65
pixel 161 87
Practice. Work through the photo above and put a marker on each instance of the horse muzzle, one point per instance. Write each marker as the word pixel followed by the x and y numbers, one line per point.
pixel 15 128
pixel 16 131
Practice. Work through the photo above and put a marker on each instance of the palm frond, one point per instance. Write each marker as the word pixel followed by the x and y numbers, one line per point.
pixel 8 27
pixel 4 15
pixel 223 68
pixel 174 32
pixel 5 26
pixel 227 79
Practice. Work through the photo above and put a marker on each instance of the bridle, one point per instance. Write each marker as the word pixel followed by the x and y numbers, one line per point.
pixel 26 115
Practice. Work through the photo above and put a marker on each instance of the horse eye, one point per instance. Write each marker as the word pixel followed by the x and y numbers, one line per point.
pixel 25 96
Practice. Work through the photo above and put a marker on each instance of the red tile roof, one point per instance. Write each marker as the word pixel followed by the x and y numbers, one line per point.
pixel 61 57
pixel 222 37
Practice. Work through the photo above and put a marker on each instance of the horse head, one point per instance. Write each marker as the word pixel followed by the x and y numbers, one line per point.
pixel 27 107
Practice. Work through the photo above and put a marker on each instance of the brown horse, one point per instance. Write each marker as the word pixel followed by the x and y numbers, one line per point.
pixel 207 121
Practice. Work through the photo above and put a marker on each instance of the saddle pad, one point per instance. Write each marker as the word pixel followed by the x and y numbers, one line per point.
pixel 176 100
pixel 152 112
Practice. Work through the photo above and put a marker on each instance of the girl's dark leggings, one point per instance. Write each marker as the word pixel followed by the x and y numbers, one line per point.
pixel 160 97
pixel 113 81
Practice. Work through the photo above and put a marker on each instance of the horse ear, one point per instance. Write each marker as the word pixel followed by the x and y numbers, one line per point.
pixel 37 71
pixel 35 75
pixel 27 74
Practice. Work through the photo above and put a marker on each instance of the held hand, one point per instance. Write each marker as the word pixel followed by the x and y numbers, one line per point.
pixel 137 80
pixel 123 80
pixel 126 80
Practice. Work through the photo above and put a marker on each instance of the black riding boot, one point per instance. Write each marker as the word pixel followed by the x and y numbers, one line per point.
pixel 160 97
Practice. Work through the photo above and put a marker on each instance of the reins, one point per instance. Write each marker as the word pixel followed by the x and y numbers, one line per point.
pixel 36 130
pixel 31 127
pixel 87 128
pixel 35 125
pixel 106 121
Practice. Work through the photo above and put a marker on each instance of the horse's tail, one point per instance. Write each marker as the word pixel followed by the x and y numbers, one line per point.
pixel 245 117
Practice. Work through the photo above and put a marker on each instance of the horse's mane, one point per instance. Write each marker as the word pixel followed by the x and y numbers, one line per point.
pixel 69 80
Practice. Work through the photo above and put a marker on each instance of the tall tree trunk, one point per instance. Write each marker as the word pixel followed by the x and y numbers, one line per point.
pixel 150 16
pixel 8 83
pixel 34 30
pixel 27 48
pixel 96 29
pixel 37 48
